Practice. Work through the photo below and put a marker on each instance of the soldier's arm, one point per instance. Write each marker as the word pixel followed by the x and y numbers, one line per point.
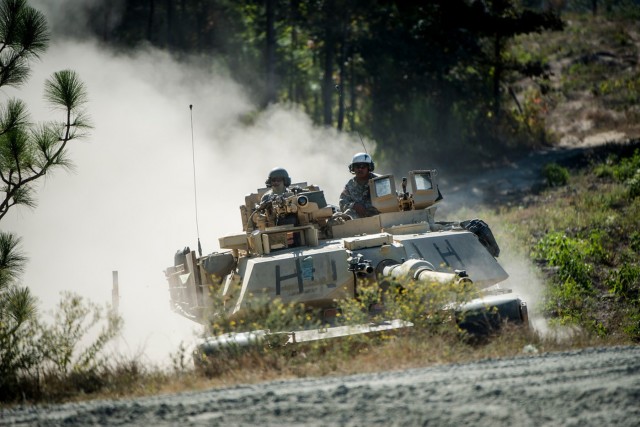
pixel 346 201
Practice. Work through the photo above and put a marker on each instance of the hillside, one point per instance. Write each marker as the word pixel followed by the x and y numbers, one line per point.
pixel 593 87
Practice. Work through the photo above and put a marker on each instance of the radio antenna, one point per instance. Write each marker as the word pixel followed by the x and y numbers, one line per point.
pixel 338 89
pixel 195 188
pixel 362 142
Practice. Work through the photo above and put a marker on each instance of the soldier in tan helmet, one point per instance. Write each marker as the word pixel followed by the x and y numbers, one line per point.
pixel 278 182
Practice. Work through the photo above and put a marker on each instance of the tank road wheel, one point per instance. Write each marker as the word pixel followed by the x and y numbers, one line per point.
pixel 487 315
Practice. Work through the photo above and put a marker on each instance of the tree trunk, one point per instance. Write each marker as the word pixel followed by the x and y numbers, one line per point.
pixel 352 92
pixel 294 11
pixel 152 7
pixel 170 25
pixel 329 54
pixel 343 75
pixel 271 53
pixel 497 74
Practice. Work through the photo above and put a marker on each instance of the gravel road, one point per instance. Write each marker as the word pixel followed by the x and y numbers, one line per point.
pixel 592 387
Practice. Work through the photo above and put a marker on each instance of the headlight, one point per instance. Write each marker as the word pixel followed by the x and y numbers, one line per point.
pixel 302 200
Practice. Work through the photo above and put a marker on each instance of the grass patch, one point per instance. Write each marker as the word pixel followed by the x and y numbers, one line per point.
pixel 584 238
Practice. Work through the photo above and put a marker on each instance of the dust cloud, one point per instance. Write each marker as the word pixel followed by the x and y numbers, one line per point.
pixel 525 282
pixel 130 203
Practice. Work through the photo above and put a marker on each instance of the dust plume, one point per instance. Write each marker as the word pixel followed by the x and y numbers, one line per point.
pixel 130 203
pixel 525 282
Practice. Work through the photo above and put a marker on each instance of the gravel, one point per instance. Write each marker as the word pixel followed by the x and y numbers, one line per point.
pixel 599 386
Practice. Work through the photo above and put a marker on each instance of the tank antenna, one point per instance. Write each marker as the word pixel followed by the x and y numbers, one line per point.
pixel 195 188
pixel 338 89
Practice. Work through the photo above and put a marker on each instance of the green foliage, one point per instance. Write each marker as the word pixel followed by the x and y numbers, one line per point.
pixel 262 314
pixel 71 343
pixel 631 323
pixel 625 282
pixel 620 91
pixel 28 152
pixel 23 37
pixel 54 360
pixel 568 301
pixel 531 116
pixel 12 259
pixel 625 170
pixel 573 256
pixel 587 240
pixel 634 238
pixel 427 305
pixel 633 184
pixel 19 353
pixel 570 294
pixel 180 360
pixel 555 175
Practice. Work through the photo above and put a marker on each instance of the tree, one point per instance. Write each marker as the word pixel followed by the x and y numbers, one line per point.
pixel 27 153
pixel 18 352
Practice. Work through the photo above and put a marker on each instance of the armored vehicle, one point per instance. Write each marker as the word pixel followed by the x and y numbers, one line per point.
pixel 299 249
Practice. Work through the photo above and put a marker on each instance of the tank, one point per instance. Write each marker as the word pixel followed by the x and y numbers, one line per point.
pixel 299 249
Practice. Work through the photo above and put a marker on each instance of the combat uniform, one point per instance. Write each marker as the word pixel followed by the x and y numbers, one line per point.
pixel 357 193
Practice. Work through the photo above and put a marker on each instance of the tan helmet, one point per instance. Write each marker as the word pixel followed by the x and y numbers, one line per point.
pixel 278 173
pixel 362 158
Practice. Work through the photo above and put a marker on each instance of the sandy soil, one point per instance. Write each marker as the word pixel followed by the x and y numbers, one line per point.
pixel 591 387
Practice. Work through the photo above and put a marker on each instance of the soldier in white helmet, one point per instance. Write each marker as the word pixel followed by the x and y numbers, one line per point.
pixel 355 199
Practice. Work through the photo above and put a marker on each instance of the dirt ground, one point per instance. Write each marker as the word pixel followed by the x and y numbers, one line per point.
pixel 592 387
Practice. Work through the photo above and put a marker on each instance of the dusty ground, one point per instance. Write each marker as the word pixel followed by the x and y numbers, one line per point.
pixel 591 387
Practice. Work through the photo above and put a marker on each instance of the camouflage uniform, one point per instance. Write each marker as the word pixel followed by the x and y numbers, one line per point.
pixel 357 193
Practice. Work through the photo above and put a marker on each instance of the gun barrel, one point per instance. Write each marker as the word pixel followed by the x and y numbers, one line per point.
pixel 423 271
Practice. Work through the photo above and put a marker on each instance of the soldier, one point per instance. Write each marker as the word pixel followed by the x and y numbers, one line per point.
pixel 278 182
pixel 355 199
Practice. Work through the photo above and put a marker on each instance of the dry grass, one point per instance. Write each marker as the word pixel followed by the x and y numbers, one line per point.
pixel 365 355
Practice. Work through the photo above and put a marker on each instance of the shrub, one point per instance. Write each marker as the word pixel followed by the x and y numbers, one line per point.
pixel 633 185
pixel 625 281
pixel 75 319
pixel 262 313
pixel 555 175
pixel 55 360
pixel 568 254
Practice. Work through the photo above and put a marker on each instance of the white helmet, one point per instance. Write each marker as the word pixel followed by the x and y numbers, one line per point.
pixel 361 158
